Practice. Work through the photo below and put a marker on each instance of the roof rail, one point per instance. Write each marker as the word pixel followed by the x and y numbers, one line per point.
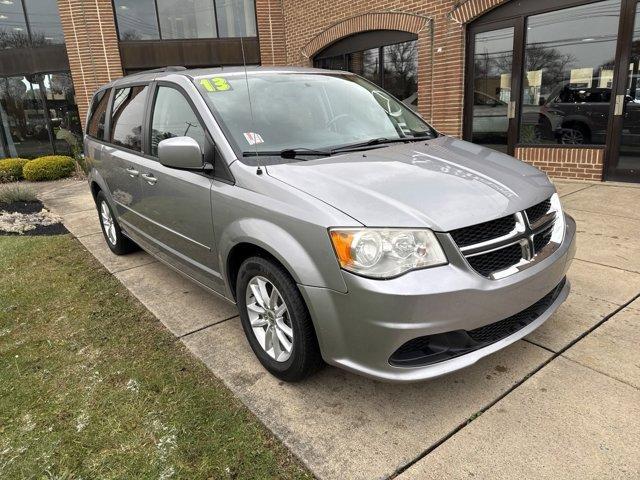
pixel 172 68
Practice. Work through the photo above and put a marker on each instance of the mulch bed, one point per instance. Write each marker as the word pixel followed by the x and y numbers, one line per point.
pixel 27 208
pixel 22 207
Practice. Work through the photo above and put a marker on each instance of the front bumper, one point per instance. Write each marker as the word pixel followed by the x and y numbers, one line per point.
pixel 361 329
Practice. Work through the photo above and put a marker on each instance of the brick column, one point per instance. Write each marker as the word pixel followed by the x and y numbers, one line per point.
pixel 270 17
pixel 92 46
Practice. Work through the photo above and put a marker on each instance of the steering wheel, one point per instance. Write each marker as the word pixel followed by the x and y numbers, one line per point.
pixel 332 122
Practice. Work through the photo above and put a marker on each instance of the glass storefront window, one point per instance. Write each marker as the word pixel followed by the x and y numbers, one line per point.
pixel 236 18
pixel 366 64
pixel 137 19
pixel 44 22
pixel 168 19
pixel 187 19
pixel 38 116
pixel 63 113
pixel 24 123
pixel 13 26
pixel 393 67
pixel 492 66
pixel 568 74
pixel 400 67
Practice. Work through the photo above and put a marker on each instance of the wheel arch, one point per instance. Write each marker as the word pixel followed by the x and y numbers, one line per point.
pixel 252 236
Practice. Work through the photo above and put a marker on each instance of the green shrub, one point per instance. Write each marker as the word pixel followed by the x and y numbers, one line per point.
pixel 17 193
pixel 11 169
pixel 51 167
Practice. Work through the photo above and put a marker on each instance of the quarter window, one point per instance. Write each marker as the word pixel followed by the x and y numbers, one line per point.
pixel 98 115
pixel 127 117
pixel 174 117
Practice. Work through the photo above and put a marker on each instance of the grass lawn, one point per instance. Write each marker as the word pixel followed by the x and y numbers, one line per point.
pixel 92 386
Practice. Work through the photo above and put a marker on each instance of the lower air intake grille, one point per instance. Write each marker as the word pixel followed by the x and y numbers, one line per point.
pixel 436 348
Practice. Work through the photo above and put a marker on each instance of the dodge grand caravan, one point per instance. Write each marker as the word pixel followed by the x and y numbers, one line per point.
pixel 343 226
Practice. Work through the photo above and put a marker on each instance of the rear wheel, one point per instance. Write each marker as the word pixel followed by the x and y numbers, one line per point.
pixel 575 134
pixel 276 321
pixel 117 242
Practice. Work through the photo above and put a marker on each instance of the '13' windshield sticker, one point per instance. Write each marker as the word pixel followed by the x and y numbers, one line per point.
pixel 215 84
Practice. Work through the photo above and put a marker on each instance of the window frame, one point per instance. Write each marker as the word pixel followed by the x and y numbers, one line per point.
pixel 160 37
pixel 107 127
pixel 209 143
pixel 516 15
pixel 211 154
pixel 92 111
pixel 144 114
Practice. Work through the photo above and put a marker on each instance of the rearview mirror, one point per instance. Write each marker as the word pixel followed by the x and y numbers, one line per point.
pixel 180 152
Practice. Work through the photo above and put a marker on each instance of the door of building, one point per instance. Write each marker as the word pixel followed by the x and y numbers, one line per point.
pixel 491 86
pixel 623 152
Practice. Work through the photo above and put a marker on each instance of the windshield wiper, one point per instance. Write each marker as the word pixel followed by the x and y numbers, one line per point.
pixel 375 142
pixel 288 153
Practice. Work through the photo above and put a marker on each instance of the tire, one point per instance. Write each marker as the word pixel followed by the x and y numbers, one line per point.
pixel 116 241
pixel 575 134
pixel 304 357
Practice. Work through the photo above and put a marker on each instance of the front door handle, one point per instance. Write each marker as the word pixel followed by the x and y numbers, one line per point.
pixel 150 179
pixel 132 172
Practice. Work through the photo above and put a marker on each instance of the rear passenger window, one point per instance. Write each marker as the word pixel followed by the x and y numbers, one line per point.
pixel 98 115
pixel 174 117
pixel 127 116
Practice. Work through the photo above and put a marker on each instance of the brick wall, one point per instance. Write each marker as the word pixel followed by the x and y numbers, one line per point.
pixel 293 31
pixel 577 163
pixel 92 46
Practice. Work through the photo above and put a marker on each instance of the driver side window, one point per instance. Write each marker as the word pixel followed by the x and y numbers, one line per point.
pixel 174 117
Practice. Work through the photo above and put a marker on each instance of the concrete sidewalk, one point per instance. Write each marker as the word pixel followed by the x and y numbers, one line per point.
pixel 563 403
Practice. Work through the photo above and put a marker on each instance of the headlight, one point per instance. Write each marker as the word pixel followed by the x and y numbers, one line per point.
pixel 386 252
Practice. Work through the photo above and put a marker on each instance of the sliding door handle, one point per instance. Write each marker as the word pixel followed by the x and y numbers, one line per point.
pixel 149 178
pixel 132 172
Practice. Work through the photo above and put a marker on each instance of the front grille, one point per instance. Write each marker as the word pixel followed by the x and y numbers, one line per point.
pixel 487 263
pixel 542 239
pixel 489 246
pixel 536 212
pixel 484 231
pixel 436 348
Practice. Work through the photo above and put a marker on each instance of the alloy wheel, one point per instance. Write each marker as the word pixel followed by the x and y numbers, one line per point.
pixel 269 318
pixel 107 223
pixel 572 136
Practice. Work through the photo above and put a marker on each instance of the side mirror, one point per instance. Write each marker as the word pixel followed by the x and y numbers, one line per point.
pixel 180 152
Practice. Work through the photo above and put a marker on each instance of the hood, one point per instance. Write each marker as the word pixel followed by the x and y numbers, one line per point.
pixel 442 184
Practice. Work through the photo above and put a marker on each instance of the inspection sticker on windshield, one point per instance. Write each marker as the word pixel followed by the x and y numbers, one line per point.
pixel 215 84
pixel 253 138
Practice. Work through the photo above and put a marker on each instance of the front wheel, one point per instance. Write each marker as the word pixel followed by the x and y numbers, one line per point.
pixel 276 321
pixel 117 242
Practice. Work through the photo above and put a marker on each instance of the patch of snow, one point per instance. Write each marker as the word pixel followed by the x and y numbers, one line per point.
pixel 133 385
pixel 28 423
pixel 167 473
pixel 82 421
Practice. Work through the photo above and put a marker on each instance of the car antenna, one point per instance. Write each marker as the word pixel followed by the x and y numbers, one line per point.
pixel 253 125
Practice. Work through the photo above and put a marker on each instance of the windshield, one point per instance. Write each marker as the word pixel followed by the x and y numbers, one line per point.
pixel 306 111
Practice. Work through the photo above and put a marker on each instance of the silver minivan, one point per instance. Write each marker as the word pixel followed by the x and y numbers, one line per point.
pixel 342 225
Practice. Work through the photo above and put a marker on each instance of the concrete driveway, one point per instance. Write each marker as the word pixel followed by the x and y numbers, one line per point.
pixel 562 403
